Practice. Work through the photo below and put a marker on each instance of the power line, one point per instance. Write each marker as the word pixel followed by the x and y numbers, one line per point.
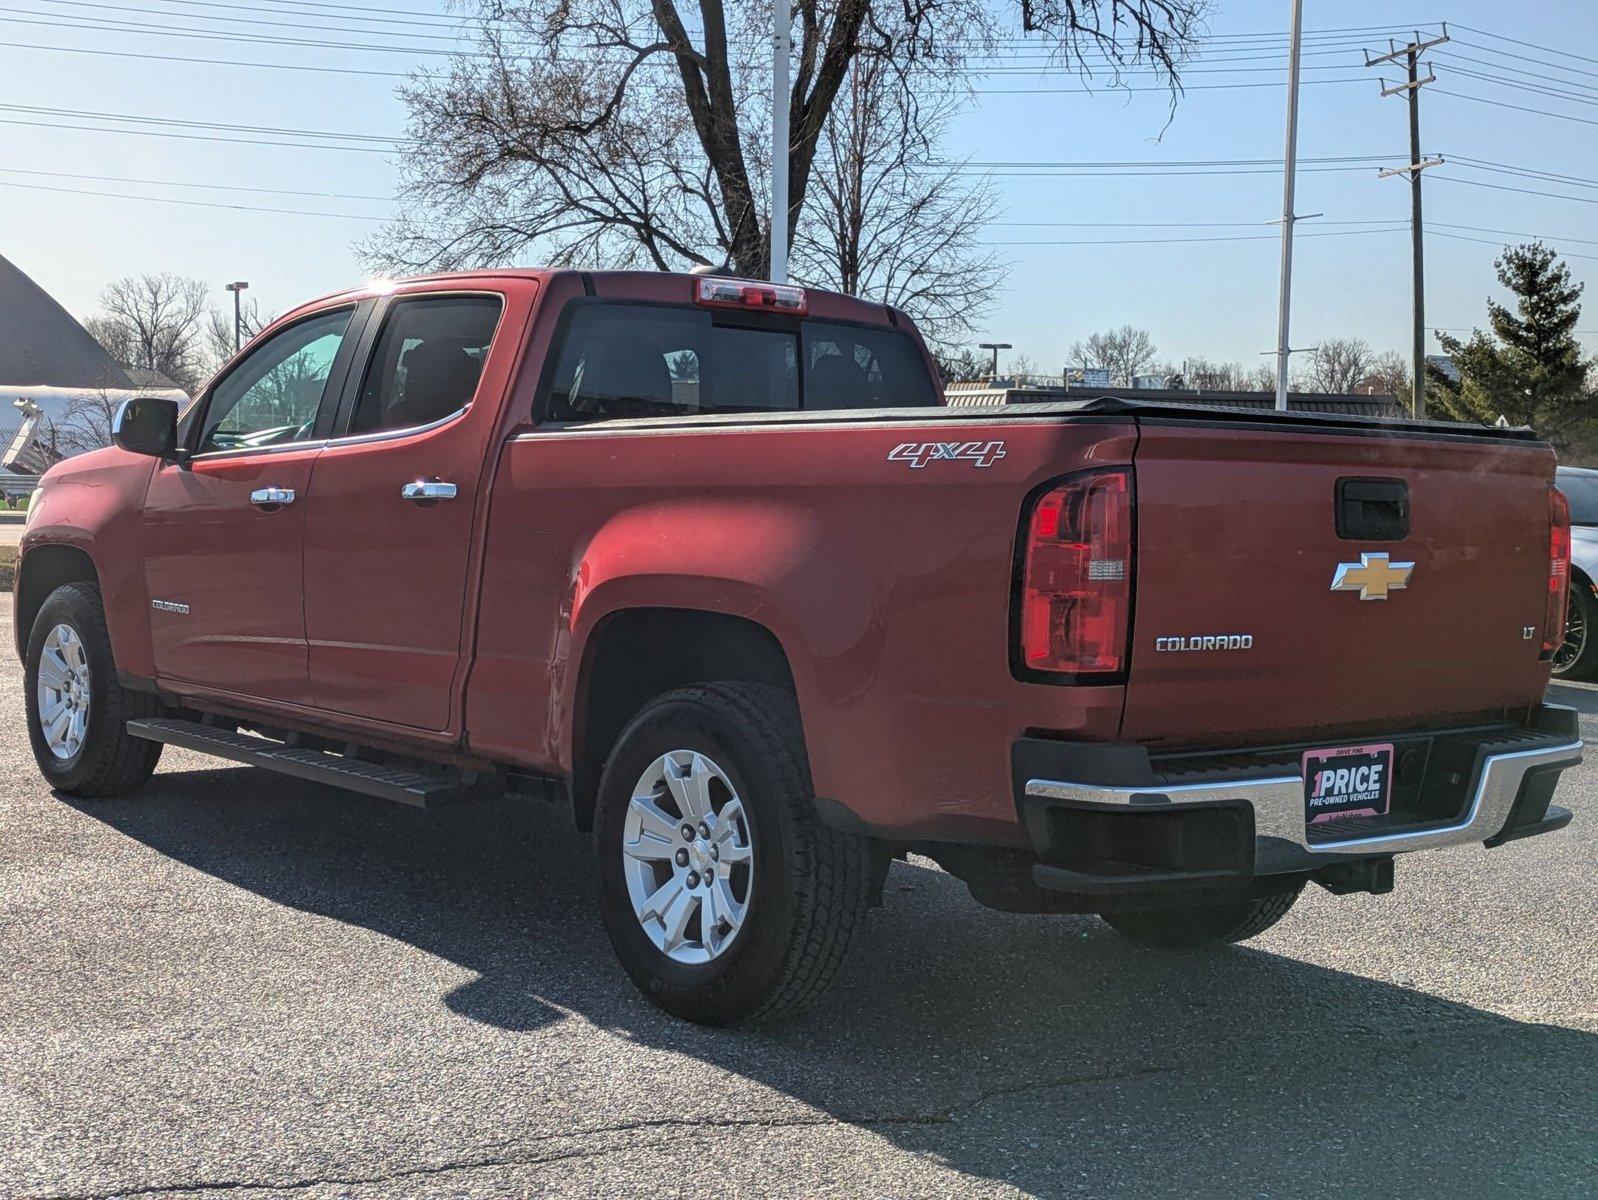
pixel 179 183
pixel 442 21
pixel 1504 187
pixel 181 123
pixel 296 212
pixel 1459 237
pixel 199 137
pixel 1398 227
pixel 1197 87
pixel 217 62
pixel 1541 112
pixel 1530 45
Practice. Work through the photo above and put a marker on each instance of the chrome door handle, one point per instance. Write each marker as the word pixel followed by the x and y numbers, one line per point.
pixel 272 497
pixel 428 489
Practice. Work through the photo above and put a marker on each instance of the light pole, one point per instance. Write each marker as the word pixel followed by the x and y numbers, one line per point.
pixel 781 49
pixel 995 347
pixel 1289 167
pixel 238 312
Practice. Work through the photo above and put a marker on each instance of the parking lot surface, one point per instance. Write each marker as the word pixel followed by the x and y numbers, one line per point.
pixel 239 982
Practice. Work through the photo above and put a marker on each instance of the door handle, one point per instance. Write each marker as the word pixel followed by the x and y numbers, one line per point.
pixel 428 489
pixel 272 497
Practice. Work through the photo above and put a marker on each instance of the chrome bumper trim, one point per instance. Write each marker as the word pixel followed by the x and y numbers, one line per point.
pixel 1281 842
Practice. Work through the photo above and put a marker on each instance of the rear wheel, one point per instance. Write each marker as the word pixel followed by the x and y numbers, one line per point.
pixel 1205 925
pixel 77 711
pixel 724 897
pixel 1577 656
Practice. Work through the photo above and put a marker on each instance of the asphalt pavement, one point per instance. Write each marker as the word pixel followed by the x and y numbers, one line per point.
pixel 237 982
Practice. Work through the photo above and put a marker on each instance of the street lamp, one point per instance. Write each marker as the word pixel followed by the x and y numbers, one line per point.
pixel 238 312
pixel 995 347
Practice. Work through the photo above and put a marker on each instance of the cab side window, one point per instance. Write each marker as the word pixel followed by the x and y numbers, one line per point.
pixel 427 362
pixel 272 395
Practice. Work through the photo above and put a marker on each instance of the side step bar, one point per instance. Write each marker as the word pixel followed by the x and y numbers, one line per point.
pixel 402 784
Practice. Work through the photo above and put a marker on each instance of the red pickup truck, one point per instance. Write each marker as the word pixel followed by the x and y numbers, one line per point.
pixel 709 561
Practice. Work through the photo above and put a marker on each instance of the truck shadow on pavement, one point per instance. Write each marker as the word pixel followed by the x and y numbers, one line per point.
pixel 1040 1052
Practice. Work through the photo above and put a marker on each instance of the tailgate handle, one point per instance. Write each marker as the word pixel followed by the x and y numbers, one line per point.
pixel 1372 510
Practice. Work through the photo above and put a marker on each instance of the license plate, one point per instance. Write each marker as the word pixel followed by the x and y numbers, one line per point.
pixel 1347 781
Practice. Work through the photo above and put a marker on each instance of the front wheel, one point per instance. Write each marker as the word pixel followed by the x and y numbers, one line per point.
pixel 724 896
pixel 77 710
pixel 1205 925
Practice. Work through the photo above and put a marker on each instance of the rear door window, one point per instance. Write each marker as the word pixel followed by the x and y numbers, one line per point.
pixel 637 360
pixel 427 361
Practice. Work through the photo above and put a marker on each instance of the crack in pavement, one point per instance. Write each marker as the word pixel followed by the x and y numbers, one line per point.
pixel 947 1116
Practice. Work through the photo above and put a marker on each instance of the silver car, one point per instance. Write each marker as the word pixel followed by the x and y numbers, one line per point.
pixel 1578 657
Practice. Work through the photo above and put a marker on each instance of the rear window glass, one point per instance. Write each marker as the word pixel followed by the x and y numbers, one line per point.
pixel 632 360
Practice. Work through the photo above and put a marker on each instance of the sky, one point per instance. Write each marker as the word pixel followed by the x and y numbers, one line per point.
pixel 72 70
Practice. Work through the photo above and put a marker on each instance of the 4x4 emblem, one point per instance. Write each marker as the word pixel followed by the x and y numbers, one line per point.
pixel 919 454
pixel 1373 576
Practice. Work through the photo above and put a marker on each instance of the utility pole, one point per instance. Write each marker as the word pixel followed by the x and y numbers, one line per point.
pixel 238 312
pixel 781 48
pixel 1410 54
pixel 1289 170
pixel 995 347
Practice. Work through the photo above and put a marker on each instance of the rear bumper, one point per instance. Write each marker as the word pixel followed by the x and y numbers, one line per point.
pixel 1104 820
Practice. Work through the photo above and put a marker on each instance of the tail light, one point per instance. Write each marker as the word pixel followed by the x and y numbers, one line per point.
pixel 1076 577
pixel 1558 571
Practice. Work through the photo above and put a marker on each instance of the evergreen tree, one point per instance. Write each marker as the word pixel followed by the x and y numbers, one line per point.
pixel 1529 369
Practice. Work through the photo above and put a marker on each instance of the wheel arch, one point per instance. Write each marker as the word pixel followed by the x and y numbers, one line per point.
pixel 634 654
pixel 43 569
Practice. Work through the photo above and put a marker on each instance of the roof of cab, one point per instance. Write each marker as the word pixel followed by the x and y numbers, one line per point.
pixel 642 285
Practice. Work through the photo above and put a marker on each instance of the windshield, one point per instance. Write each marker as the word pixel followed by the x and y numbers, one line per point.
pixel 1582 492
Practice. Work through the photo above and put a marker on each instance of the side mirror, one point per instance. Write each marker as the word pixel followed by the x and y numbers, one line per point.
pixel 146 425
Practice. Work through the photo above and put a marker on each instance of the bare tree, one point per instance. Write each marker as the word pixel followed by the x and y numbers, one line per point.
pixel 889 219
pixel 1207 375
pixel 634 133
pixel 85 423
pixel 1339 365
pixel 218 348
pixel 1387 375
pixel 1126 352
pixel 1260 378
pixel 154 322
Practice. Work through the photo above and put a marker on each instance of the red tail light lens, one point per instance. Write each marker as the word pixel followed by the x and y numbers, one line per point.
pixel 1076 582
pixel 1558 571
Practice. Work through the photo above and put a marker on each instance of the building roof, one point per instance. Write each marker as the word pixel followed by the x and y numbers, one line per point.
pixel 41 345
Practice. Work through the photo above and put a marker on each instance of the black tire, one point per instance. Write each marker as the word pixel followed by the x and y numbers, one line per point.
pixel 1193 926
pixel 109 762
pixel 1577 657
pixel 810 884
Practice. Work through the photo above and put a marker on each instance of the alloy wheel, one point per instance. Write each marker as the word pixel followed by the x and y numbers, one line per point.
pixel 687 857
pixel 1575 638
pixel 64 692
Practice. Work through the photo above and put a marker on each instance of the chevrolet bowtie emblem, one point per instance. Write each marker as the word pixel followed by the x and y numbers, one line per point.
pixel 1372 576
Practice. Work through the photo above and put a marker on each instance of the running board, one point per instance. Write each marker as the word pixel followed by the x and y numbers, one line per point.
pixel 405 785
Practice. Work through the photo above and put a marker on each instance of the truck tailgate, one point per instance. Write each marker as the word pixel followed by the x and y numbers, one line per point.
pixel 1238 542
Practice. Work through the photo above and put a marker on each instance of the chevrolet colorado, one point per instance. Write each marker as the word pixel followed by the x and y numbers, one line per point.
pixel 708 561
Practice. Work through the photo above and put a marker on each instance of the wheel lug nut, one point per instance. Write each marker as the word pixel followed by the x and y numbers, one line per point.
pixel 693 879
pixel 715 854
pixel 704 830
pixel 710 876
pixel 687 833
pixel 682 858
